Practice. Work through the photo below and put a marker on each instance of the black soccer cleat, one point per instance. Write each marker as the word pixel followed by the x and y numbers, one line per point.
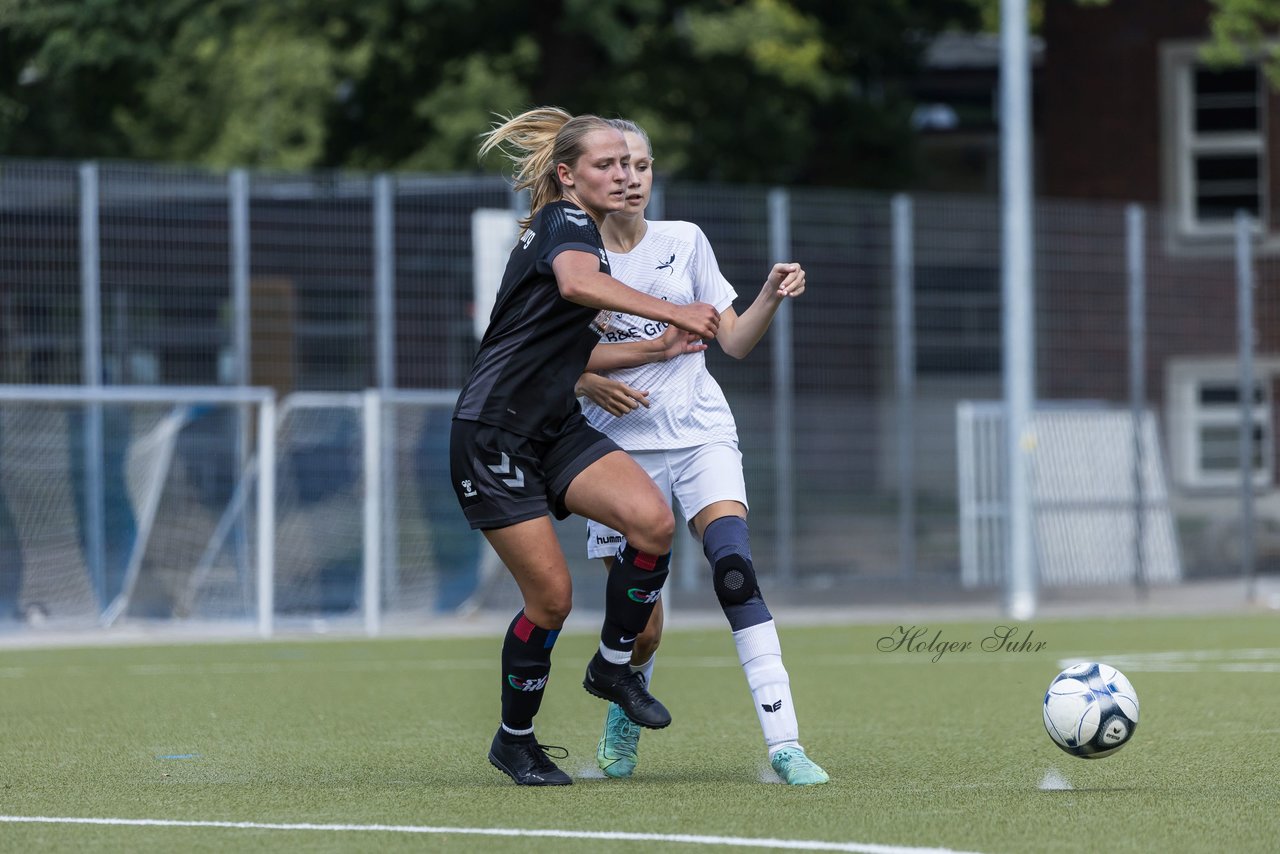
pixel 524 760
pixel 617 683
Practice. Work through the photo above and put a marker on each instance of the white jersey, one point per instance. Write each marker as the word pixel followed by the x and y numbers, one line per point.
pixel 673 261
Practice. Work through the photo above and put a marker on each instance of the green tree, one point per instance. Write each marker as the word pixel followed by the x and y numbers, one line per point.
pixel 804 92
pixel 796 91
pixel 1246 28
pixel 209 81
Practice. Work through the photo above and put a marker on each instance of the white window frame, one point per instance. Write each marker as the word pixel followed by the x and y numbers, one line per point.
pixel 1181 144
pixel 1187 417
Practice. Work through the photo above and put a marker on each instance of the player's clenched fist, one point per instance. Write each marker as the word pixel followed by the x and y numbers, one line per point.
pixel 697 317
pixel 785 280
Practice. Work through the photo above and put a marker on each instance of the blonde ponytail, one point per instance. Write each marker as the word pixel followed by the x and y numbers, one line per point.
pixel 535 141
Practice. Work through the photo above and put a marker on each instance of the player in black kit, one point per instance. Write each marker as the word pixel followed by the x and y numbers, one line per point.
pixel 520 448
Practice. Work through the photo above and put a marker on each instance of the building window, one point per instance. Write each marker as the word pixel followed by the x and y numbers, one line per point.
pixel 1204 421
pixel 1218 129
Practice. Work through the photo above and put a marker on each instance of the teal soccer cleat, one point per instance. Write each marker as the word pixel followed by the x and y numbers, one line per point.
pixel 796 769
pixel 618 750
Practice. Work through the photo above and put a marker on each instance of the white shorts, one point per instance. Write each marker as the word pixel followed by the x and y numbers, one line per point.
pixel 696 477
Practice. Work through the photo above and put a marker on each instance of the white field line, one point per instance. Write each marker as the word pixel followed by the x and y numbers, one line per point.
pixel 608 836
pixel 1252 660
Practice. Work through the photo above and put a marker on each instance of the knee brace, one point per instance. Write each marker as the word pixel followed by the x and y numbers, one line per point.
pixel 725 543
pixel 735 580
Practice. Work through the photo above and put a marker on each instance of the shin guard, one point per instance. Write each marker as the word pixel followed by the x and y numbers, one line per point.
pixel 634 586
pixel 526 666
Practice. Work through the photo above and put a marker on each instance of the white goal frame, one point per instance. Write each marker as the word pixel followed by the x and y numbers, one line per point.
pixel 379 518
pixel 263 398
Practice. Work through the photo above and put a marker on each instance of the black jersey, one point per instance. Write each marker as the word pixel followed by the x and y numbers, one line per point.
pixel 537 343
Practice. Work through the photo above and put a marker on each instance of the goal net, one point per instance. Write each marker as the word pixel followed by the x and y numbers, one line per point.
pixel 110 497
pixel 219 506
pixel 367 523
pixel 1100 501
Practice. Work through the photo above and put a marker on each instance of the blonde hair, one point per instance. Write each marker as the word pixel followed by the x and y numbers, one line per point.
pixel 628 126
pixel 535 141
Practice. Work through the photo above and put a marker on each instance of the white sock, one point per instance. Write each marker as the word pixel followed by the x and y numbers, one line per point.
pixel 614 656
pixel 645 670
pixel 761 655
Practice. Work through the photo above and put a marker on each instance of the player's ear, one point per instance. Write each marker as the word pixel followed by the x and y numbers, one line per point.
pixel 565 174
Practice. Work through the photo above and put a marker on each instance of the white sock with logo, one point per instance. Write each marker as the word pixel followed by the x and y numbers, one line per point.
pixel 761 655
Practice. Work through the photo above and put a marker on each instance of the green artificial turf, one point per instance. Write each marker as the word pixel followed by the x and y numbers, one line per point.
pixel 947 754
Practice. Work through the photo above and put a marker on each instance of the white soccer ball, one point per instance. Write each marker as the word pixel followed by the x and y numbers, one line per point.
pixel 1090 710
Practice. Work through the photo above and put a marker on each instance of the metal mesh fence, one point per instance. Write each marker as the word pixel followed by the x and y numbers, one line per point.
pixel 338 283
pixel 311 265
pixel 40 320
pixel 434 343
pixel 164 274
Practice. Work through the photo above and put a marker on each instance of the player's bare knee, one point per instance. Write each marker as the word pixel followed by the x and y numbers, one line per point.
pixel 662 529
pixel 550 610
pixel 653 530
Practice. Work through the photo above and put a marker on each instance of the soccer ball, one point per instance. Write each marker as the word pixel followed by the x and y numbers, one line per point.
pixel 1090 710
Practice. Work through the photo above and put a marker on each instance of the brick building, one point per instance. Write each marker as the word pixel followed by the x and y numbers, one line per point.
pixel 1132 112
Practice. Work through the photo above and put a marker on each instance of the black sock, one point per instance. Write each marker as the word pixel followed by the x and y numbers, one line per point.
pixel 635 583
pixel 526 664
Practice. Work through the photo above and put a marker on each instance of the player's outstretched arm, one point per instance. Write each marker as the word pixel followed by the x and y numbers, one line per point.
pixel 739 334
pixel 630 354
pixel 579 279
pixel 616 398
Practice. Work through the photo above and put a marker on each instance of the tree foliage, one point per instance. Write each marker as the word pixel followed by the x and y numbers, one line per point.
pixel 795 91
pixel 1246 28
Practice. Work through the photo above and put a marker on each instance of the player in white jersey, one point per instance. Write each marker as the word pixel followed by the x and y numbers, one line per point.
pixel 648 388
pixel 520 450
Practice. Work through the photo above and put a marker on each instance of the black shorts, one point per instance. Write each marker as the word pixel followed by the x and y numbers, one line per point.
pixel 502 478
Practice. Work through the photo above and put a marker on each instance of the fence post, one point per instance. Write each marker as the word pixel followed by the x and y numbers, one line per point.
pixel 783 394
pixel 91 375
pixel 267 516
pixel 1244 318
pixel 242 373
pixel 1135 245
pixel 373 512
pixel 657 202
pixel 384 278
pixel 1018 280
pixel 238 211
pixel 904 361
